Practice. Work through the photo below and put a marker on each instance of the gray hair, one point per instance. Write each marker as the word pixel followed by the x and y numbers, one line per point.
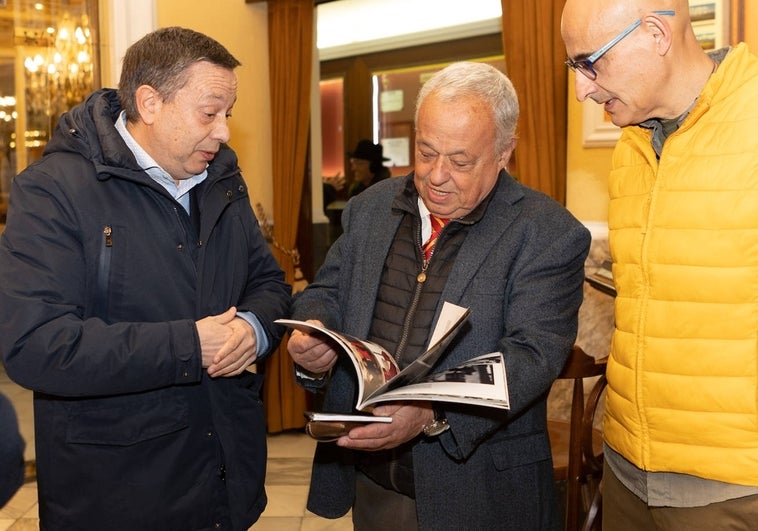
pixel 482 81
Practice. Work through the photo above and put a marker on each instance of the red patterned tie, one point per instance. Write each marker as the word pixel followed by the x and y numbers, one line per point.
pixel 437 225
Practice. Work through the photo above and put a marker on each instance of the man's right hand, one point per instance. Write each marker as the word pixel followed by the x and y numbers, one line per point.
pixel 214 331
pixel 310 352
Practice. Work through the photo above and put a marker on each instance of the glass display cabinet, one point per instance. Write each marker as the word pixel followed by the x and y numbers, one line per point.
pixel 48 64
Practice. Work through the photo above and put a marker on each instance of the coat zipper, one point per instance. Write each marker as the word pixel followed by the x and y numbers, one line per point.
pixel 103 272
pixel 420 279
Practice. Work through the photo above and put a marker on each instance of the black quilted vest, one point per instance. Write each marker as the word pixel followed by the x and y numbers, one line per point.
pixel 403 322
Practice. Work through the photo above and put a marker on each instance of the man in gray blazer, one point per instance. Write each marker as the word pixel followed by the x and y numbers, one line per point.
pixel 511 255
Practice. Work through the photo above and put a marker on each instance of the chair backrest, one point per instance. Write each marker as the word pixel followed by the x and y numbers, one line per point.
pixel 580 464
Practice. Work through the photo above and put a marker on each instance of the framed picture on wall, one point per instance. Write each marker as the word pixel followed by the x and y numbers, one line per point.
pixel 597 128
pixel 711 22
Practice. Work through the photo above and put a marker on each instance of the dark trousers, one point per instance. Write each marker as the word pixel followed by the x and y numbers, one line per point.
pixel 379 509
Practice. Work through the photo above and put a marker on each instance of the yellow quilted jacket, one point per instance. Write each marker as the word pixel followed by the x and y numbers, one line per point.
pixel 683 372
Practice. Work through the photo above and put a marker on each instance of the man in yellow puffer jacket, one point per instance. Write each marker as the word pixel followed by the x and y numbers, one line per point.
pixel 681 422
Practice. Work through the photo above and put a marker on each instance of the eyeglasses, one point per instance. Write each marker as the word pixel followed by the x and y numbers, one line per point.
pixel 585 66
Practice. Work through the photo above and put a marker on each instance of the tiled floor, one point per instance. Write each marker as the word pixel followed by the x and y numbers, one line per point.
pixel 289 469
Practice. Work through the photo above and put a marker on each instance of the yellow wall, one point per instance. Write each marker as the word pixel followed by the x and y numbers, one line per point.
pixel 751 24
pixel 587 168
pixel 243 29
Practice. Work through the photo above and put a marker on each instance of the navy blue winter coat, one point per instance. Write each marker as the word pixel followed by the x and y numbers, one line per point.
pixel 102 277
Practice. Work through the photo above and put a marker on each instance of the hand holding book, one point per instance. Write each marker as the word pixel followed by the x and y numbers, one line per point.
pixel 479 381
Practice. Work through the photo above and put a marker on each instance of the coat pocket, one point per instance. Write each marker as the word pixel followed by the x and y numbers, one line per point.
pixel 124 421
pixel 512 452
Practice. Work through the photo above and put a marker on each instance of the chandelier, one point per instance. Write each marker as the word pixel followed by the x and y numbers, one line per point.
pixel 58 69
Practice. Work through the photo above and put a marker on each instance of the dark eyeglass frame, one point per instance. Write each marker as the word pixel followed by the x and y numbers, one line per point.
pixel 585 66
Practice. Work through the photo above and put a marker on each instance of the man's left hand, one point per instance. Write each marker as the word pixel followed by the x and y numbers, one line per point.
pixel 239 351
pixel 408 420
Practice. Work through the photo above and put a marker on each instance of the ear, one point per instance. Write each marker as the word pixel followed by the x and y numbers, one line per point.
pixel 148 103
pixel 660 30
pixel 505 156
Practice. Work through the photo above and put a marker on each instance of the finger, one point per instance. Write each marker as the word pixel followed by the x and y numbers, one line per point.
pixel 234 342
pixel 374 444
pixel 225 357
pixel 324 362
pixel 233 369
pixel 232 364
pixel 227 316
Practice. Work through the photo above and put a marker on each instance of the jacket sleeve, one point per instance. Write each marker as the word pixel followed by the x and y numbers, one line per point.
pixel 49 343
pixel 267 295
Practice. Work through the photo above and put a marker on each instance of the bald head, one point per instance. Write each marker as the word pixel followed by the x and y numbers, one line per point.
pixel 621 8
pixel 650 65
pixel 598 21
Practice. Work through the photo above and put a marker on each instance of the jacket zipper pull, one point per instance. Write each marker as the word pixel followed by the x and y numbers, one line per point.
pixel 421 278
pixel 107 232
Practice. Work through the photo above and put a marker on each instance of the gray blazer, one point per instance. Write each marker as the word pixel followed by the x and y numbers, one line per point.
pixel 520 272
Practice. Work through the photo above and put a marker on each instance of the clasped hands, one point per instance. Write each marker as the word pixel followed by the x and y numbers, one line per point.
pixel 408 419
pixel 227 343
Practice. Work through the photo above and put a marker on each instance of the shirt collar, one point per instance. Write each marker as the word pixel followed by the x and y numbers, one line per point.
pixel 148 164
pixel 661 129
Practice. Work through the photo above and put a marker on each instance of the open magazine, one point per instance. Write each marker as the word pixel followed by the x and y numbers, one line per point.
pixel 480 381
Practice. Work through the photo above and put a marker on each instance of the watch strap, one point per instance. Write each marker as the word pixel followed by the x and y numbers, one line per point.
pixel 437 426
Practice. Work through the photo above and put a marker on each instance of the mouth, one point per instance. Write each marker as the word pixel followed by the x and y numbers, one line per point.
pixel 607 104
pixel 437 195
pixel 208 155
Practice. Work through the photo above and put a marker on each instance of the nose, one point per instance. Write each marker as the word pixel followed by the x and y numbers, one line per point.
pixel 584 86
pixel 439 173
pixel 221 130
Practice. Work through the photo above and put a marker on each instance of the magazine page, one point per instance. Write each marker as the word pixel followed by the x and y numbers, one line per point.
pixel 480 381
pixel 373 365
pixel 451 319
pixel 451 316
pixel 344 417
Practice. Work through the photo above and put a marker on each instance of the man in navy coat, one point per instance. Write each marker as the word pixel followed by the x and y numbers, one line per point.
pixel 136 289
pixel 511 255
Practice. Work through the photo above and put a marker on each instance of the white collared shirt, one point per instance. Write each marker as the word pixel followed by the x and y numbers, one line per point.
pixel 180 191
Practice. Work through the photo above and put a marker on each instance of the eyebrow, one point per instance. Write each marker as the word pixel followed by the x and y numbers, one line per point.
pixel 427 144
pixel 581 56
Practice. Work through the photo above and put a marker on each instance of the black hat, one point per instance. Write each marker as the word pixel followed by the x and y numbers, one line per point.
pixel 367 150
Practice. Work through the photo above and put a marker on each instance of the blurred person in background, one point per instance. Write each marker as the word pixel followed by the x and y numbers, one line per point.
pixel 367 166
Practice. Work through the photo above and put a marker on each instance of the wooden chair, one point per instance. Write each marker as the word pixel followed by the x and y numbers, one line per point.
pixel 577 446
